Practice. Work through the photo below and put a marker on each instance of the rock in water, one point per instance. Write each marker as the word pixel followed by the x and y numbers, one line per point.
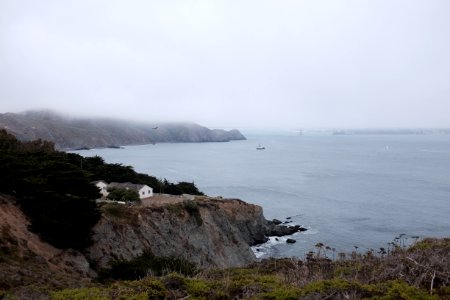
pixel 276 222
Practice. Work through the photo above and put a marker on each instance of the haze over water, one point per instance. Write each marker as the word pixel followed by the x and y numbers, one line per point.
pixel 351 190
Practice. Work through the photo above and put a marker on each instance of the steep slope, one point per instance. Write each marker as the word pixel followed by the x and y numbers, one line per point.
pixel 207 232
pixel 76 133
pixel 25 259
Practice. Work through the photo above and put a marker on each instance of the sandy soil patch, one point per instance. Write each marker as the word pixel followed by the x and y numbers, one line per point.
pixel 161 200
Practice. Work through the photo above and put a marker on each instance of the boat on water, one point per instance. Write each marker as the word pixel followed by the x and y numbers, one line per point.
pixel 260 147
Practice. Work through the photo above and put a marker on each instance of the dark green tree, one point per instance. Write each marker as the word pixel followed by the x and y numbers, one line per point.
pixel 55 194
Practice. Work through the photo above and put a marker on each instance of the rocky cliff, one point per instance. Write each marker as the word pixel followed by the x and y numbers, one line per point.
pixel 69 133
pixel 205 231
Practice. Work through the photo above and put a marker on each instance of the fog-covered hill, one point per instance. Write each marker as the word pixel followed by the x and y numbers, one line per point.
pixel 70 133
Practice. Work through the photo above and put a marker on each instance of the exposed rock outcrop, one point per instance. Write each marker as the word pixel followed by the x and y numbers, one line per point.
pixel 69 133
pixel 276 229
pixel 206 231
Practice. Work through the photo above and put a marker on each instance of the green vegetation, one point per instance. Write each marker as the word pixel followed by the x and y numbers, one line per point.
pixel 147 288
pixel 190 206
pixel 193 209
pixel 99 170
pixel 145 265
pixel 418 272
pixel 56 195
pixel 54 188
pixel 117 211
pixel 120 194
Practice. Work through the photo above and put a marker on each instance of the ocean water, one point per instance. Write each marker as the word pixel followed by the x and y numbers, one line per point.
pixel 348 190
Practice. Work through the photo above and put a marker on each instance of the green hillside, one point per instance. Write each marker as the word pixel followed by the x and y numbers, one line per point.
pixel 54 188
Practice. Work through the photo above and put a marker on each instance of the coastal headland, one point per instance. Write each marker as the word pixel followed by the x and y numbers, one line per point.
pixel 213 233
pixel 85 133
pixel 208 232
pixel 56 242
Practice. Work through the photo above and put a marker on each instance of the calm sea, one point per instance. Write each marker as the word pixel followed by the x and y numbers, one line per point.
pixel 348 190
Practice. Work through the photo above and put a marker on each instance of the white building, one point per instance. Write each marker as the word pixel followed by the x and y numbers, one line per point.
pixel 143 190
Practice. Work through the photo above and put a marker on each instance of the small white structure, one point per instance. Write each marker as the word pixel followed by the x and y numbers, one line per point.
pixel 103 186
pixel 143 190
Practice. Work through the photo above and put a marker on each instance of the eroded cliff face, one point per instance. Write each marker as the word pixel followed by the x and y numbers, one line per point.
pixel 207 232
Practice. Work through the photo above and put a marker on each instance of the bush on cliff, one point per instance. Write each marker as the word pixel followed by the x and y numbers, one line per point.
pixel 121 194
pixel 144 265
pixel 179 188
pixel 190 206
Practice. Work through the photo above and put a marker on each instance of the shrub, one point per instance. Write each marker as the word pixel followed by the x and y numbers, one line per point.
pixel 401 290
pixel 190 206
pixel 81 293
pixel 145 265
pixel 121 194
pixel 193 209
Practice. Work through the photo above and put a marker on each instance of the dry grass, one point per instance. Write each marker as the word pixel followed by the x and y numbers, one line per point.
pixel 421 271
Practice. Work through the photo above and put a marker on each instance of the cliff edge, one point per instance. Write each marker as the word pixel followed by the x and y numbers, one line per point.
pixel 206 231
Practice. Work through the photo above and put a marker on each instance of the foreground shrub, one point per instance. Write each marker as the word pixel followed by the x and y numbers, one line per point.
pixel 144 265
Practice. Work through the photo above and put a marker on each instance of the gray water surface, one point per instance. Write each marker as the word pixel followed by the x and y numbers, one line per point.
pixel 350 190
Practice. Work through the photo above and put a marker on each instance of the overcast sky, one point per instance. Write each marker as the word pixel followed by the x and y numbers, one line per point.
pixel 238 63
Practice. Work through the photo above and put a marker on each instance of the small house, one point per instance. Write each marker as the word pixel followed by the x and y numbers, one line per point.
pixel 143 190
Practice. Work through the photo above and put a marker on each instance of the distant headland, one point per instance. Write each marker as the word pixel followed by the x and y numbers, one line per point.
pixel 85 133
